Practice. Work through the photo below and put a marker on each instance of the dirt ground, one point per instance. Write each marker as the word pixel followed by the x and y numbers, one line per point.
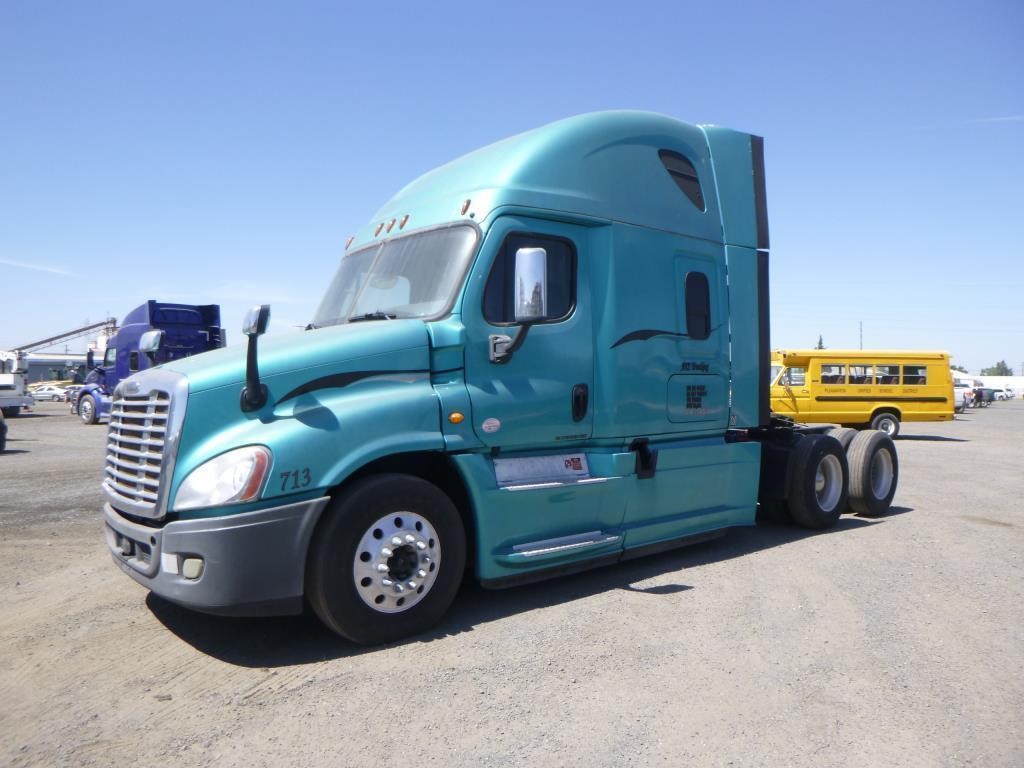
pixel 896 641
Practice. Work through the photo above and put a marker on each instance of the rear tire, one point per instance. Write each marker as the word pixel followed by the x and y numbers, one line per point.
pixel 817 484
pixel 874 472
pixel 87 409
pixel 844 435
pixel 386 560
pixel 886 422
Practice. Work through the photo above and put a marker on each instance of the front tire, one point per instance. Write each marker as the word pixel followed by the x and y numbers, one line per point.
pixel 874 471
pixel 87 409
pixel 817 484
pixel 386 560
pixel 886 422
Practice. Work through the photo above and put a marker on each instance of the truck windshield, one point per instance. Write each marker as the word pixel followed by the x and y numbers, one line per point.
pixel 412 276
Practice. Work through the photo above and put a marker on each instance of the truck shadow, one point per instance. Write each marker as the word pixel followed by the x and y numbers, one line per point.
pixel 286 641
pixel 931 439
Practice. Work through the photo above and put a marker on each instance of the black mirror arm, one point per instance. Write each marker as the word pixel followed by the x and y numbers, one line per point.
pixel 503 347
pixel 255 394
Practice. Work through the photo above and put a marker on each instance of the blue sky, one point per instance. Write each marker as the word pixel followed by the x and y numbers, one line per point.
pixel 223 152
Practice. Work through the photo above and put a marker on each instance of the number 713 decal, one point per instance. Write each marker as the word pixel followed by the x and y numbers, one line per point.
pixel 295 479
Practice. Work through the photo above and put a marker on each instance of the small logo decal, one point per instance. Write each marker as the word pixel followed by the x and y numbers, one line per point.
pixel 491 425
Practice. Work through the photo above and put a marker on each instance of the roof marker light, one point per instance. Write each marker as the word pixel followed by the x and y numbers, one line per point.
pixel 349 241
pixel 378 229
pixel 391 224
pixel 465 207
pixel 401 224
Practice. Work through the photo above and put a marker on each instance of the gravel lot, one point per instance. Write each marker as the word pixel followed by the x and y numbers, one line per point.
pixel 896 641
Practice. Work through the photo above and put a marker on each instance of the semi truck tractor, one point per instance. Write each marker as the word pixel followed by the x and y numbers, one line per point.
pixel 548 355
pixel 166 332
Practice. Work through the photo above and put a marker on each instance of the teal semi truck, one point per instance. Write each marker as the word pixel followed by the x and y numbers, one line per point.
pixel 547 355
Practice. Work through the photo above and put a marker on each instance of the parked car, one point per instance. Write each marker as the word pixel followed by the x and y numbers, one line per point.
pixel 71 392
pixel 963 394
pixel 49 392
pixel 999 393
pixel 1010 393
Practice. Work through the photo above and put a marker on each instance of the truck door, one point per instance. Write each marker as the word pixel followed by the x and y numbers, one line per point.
pixel 540 393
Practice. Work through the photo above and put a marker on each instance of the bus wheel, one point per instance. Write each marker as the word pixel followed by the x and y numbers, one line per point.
pixel 886 422
pixel 874 470
pixel 87 409
pixel 386 560
pixel 844 435
pixel 817 482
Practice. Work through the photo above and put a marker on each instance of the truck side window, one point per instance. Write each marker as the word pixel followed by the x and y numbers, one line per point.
pixel 684 175
pixel 500 296
pixel 915 374
pixel 833 373
pixel 795 377
pixel 110 356
pixel 133 361
pixel 698 306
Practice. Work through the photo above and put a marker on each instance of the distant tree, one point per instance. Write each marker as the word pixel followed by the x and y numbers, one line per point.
pixel 959 368
pixel 821 343
pixel 999 369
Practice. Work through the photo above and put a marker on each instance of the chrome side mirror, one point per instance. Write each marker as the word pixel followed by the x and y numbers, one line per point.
pixel 151 341
pixel 531 288
pixel 256 320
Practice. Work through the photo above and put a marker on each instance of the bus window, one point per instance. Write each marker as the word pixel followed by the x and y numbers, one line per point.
pixel 887 374
pixel 794 377
pixel 860 374
pixel 915 374
pixel 833 373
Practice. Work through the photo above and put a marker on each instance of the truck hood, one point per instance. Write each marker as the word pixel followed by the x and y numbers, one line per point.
pixel 289 362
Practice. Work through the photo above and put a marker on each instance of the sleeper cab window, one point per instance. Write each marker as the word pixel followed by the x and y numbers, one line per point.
pixel 133 361
pixel 533 279
pixel 698 305
pixel 684 175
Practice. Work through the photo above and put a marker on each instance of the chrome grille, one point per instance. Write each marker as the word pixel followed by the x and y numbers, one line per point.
pixel 135 446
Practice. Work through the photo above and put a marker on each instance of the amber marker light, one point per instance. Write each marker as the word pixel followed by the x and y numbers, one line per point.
pixel 456 418
pixel 401 224
pixel 378 229
pixel 465 207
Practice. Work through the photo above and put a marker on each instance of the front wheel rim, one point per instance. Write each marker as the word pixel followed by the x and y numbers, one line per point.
pixel 86 410
pixel 396 562
pixel 828 482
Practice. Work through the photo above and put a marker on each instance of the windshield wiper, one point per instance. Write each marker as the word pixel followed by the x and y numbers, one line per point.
pixel 378 315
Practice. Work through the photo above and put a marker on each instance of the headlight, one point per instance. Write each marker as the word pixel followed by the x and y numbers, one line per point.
pixel 231 478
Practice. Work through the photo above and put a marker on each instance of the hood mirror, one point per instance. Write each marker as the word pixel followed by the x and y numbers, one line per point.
pixel 254 395
pixel 256 320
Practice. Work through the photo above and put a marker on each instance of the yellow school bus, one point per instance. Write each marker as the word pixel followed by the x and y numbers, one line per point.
pixel 861 387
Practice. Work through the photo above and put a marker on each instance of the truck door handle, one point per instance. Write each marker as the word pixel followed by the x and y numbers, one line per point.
pixel 580 401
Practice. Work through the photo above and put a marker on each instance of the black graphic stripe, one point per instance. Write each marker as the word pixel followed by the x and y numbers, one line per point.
pixel 337 380
pixel 647 333
pixel 877 398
